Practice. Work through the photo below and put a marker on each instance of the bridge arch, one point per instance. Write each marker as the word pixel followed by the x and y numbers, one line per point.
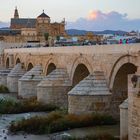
pixel 81 68
pixel 29 66
pixel 117 65
pixel 7 62
pixel 119 86
pixel 50 66
pixel 80 73
pixel 18 60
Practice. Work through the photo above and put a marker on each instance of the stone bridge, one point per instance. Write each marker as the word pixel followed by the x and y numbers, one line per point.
pixel 83 78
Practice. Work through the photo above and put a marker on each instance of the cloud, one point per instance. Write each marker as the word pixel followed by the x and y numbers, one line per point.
pixel 4 24
pixel 93 15
pixel 97 20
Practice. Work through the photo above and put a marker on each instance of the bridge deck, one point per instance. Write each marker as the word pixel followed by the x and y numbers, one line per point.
pixel 98 49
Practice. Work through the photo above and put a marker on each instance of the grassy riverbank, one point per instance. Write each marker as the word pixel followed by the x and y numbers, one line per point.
pixel 11 106
pixel 4 89
pixel 57 121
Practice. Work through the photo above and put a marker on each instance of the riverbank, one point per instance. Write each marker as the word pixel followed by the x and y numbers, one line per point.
pixel 6 119
pixel 77 132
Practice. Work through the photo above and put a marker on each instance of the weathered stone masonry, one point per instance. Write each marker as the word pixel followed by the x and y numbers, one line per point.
pixel 86 78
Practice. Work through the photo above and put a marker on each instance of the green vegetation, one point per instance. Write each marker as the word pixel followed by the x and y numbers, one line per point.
pixel 4 89
pixel 57 121
pixel 58 38
pixel 98 137
pixel 46 35
pixel 11 106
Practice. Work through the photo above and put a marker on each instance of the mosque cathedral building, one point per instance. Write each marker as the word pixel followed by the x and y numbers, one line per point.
pixel 31 29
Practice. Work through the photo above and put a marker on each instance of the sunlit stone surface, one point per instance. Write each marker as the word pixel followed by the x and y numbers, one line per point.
pixel 3 76
pixel 28 82
pixel 90 95
pixel 54 88
pixel 12 79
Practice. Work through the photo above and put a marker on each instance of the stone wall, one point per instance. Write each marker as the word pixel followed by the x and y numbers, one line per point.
pixel 134 110
pixel 12 79
pixel 29 81
pixel 53 89
pixel 54 95
pixel 12 83
pixel 88 104
pixel 103 57
pixel 27 89
pixel 90 95
pixel 3 76
pixel 124 120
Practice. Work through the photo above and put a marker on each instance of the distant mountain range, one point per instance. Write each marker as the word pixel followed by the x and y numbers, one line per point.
pixel 83 32
pixel 73 32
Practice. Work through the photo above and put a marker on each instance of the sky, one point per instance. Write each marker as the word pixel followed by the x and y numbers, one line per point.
pixel 79 14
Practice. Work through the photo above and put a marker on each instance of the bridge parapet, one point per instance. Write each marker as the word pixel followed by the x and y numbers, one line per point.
pixel 98 49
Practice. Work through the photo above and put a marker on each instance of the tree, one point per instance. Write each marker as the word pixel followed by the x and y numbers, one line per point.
pixel 58 38
pixel 46 35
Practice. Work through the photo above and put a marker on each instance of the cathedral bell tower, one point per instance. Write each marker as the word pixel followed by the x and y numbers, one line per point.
pixel 43 24
pixel 16 15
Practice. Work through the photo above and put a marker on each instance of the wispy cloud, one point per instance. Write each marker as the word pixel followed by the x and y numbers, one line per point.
pixel 98 20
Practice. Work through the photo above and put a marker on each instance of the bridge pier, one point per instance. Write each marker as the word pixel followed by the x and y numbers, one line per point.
pixel 124 120
pixel 134 109
pixel 90 95
pixel 12 79
pixel 27 84
pixel 3 76
pixel 11 60
pixel 53 89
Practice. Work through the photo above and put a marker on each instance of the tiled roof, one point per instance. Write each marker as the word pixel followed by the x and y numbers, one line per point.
pixel 43 15
pixel 23 22
pixel 9 32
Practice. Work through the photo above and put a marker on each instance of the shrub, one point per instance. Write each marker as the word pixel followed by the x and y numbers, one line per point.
pixel 34 106
pixel 4 89
pixel 103 119
pixel 37 124
pixel 56 122
pixel 10 106
pixel 7 105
